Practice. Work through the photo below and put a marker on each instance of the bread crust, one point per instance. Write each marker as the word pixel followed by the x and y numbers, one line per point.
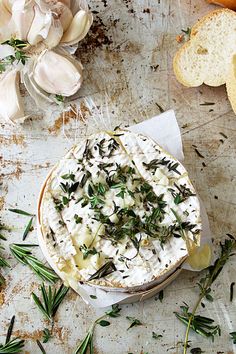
pixel 231 84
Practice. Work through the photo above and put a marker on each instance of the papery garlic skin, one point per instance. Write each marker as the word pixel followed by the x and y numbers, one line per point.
pixel 5 15
pixel 78 28
pixel 11 104
pixel 22 18
pixel 56 74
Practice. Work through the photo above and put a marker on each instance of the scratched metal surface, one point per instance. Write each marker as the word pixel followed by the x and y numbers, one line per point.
pixel 127 58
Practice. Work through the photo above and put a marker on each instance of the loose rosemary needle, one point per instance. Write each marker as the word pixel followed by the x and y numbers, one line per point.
pixel 200 324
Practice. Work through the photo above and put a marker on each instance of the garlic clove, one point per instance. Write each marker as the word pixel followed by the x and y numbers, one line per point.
pixel 78 28
pixel 56 74
pixel 40 26
pixel 62 13
pixel 22 18
pixel 54 35
pixel 11 103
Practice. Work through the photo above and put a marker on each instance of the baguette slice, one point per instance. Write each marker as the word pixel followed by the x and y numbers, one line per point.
pixel 207 56
pixel 231 84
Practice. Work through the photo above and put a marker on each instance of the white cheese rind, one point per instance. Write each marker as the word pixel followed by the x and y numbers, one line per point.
pixel 153 261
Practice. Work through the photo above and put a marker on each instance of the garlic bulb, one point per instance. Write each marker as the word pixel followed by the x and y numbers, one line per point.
pixel 78 28
pixel 11 104
pixel 56 74
pixel 38 36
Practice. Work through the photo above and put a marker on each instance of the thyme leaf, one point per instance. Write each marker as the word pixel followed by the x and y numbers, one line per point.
pixel 134 322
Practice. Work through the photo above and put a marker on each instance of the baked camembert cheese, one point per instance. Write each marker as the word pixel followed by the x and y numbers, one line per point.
pixel 118 212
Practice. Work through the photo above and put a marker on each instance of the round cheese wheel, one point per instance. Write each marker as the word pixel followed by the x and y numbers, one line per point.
pixel 118 212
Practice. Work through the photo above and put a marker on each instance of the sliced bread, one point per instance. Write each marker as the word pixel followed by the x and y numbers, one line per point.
pixel 231 84
pixel 207 56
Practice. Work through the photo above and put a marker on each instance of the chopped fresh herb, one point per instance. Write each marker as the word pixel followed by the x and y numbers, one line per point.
pixel 85 178
pixel 46 335
pixel 134 322
pixel 232 291
pixel 196 351
pixel 207 104
pixel 70 176
pixel 41 346
pixel 198 153
pixel 21 212
pixel 187 31
pixel 105 270
pixel 59 98
pixel 181 194
pixel 93 296
pixel 203 325
pixel 87 251
pixel 104 323
pixel 171 166
pixel 224 135
pixel 78 219
pixel 114 312
pixel 159 106
pixel 156 336
pixel 23 254
pixel 233 337
pixel 161 295
pixel 11 345
pixel 19 55
pixel 28 228
pixel 51 300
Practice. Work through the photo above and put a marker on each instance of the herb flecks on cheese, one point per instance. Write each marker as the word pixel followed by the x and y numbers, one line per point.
pixel 111 205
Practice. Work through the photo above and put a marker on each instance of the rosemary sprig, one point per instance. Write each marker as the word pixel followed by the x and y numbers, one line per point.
pixel 23 254
pixel 203 325
pixel 87 343
pixel 51 300
pixel 11 345
pixel 106 269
